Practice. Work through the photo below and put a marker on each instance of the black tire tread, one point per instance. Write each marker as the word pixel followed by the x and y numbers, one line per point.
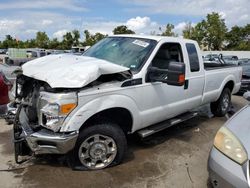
pixel 216 106
pixel 106 128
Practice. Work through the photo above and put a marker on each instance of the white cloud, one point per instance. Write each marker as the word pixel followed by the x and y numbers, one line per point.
pixel 178 28
pixel 71 5
pixel 31 31
pixel 59 34
pixel 25 24
pixel 231 10
pixel 10 27
pixel 140 23
pixel 46 22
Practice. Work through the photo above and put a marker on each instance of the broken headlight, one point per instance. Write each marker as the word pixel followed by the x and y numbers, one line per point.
pixel 53 114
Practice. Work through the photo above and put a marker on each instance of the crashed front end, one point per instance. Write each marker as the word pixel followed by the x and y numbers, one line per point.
pixel 47 95
pixel 40 115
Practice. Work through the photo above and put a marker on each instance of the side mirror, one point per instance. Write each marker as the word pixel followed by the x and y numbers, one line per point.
pixel 174 75
pixel 247 95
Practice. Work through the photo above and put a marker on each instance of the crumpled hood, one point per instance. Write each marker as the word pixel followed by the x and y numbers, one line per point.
pixel 69 71
pixel 240 127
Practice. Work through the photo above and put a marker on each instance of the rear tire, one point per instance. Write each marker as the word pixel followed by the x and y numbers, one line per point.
pixel 99 146
pixel 222 105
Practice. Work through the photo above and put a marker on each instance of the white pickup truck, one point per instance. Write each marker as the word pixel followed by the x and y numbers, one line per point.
pixel 85 106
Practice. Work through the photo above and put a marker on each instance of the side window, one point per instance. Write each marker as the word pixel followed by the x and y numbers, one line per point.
pixel 168 52
pixel 193 57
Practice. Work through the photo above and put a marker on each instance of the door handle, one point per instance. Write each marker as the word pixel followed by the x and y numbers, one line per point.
pixel 186 84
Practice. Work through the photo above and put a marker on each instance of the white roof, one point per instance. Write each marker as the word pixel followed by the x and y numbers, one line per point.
pixel 153 37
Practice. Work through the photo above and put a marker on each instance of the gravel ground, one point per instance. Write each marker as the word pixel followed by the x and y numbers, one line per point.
pixel 176 157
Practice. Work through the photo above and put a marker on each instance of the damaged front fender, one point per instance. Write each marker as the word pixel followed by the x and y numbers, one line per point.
pixel 80 115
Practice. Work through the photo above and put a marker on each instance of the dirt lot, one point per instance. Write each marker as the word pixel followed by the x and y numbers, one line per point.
pixel 176 157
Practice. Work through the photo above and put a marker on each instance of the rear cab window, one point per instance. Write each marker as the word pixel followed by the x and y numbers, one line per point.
pixel 193 57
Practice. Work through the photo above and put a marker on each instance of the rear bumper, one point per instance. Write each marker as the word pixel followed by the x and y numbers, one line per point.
pixel 45 141
pixel 223 172
pixel 245 86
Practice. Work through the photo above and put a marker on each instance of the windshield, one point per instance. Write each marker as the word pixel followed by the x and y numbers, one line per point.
pixel 124 51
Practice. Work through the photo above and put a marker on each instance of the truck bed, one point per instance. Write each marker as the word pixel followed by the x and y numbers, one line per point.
pixel 213 66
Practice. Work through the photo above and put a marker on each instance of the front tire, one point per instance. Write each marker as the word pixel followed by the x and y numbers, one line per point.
pixel 222 105
pixel 99 146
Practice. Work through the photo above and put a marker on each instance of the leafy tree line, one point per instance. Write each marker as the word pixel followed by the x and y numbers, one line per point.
pixel 211 34
pixel 69 39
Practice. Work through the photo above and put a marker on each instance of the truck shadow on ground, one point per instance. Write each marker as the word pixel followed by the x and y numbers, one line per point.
pixel 180 132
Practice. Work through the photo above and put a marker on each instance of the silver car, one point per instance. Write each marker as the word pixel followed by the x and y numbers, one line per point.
pixel 228 163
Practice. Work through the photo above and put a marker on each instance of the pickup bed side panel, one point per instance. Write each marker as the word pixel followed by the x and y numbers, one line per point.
pixel 84 112
pixel 215 81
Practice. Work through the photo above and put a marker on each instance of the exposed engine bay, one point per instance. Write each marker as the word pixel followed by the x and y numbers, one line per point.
pixel 28 91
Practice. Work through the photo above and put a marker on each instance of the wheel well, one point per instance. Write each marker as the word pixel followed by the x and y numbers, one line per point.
pixel 120 116
pixel 230 85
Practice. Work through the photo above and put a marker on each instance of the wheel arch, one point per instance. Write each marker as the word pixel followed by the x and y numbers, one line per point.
pixel 230 85
pixel 121 109
pixel 118 115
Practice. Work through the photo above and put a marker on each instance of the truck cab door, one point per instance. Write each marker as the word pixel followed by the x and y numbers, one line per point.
pixel 161 100
pixel 195 75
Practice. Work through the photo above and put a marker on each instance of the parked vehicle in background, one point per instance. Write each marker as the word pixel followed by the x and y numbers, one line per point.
pixel 244 61
pixel 79 50
pixel 245 82
pixel 3 51
pixel 230 59
pixel 5 86
pixel 84 106
pixel 211 57
pixel 18 57
pixel 8 71
pixel 228 163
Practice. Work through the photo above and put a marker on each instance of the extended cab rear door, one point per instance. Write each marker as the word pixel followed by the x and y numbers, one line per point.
pixel 195 75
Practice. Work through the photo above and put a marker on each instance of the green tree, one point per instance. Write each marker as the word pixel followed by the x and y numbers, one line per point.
pixel 238 38
pixel 76 37
pixel 215 29
pixel 169 31
pixel 199 33
pixel 31 43
pixel 54 44
pixel 67 41
pixel 122 29
pixel 188 31
pixel 9 42
pixel 42 39
pixel 91 39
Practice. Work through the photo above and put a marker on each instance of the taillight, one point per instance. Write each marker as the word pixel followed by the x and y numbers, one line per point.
pixel 6 81
pixel 4 98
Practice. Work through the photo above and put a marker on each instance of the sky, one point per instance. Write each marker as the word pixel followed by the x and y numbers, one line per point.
pixel 23 18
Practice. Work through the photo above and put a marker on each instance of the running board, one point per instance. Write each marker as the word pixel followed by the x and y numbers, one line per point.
pixel 166 124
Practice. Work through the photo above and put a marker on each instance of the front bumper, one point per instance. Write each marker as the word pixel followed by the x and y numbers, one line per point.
pixel 11 112
pixel 224 172
pixel 45 141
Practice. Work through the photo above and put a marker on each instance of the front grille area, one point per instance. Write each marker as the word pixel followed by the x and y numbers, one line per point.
pixel 41 103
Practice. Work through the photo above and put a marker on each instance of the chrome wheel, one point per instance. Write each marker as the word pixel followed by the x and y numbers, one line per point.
pixel 225 103
pixel 97 151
